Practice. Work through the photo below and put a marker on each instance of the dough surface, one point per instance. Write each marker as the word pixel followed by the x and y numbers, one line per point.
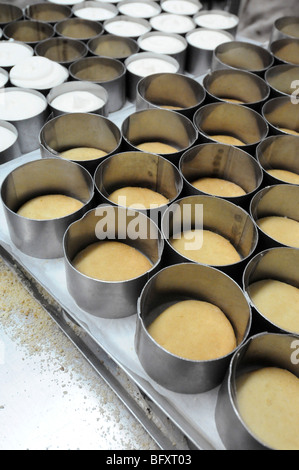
pixel 227 139
pixel 157 147
pixel 82 154
pixel 51 206
pixel 135 197
pixel 233 100
pixel 285 175
pixel 277 301
pixel 218 187
pixel 215 250
pixel 168 106
pixel 111 261
pixel 289 131
pixel 282 229
pixel 194 330
pixel 268 402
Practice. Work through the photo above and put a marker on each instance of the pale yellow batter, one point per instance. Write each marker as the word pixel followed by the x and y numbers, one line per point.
pixel 289 131
pixel 111 261
pixel 157 147
pixel 227 139
pixel 168 106
pixel 218 187
pixel 277 301
pixel 194 330
pixel 268 402
pixel 233 100
pixel 215 250
pixel 282 229
pixel 83 153
pixel 135 197
pixel 51 206
pixel 285 175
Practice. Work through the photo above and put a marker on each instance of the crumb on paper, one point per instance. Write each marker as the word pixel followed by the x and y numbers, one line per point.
pixel 30 327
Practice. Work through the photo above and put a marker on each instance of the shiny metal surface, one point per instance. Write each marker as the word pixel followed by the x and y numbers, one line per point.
pixel 230 119
pixel 139 169
pixel 72 130
pixel 277 200
pixel 65 51
pixel 241 85
pixel 170 285
pixel 48 12
pixel 281 77
pixel 116 47
pixel 221 161
pixel 162 125
pixel 43 238
pixel 14 150
pixel 103 298
pixel 281 115
pixel 28 31
pixel 280 264
pixel 264 349
pixel 78 28
pixel 285 51
pixel 10 13
pixel 278 151
pixel 161 90
pixel 105 71
pixel 285 27
pixel 242 55
pixel 218 215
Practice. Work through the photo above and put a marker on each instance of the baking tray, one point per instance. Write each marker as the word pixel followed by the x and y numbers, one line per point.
pixel 173 420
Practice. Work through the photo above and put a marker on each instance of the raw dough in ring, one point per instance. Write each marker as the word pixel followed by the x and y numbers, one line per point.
pixel 218 187
pixel 227 139
pixel 215 250
pixel 111 261
pixel 282 229
pixel 194 330
pixel 285 175
pixel 157 147
pixel 289 131
pixel 135 197
pixel 50 206
pixel 268 402
pixel 82 154
pixel 277 301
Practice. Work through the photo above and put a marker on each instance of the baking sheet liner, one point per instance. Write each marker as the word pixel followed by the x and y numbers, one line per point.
pixel 116 336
